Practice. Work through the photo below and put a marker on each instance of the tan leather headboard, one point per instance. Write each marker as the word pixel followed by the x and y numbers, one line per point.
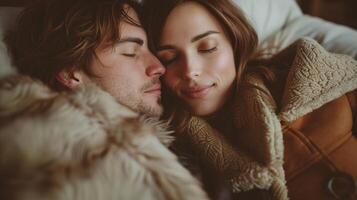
pixel 14 2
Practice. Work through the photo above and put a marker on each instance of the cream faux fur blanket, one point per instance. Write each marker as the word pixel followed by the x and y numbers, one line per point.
pixel 83 145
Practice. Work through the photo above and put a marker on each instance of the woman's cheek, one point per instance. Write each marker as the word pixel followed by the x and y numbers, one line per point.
pixel 171 82
pixel 224 61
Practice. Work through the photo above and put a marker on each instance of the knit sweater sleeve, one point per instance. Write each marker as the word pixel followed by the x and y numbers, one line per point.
pixel 215 150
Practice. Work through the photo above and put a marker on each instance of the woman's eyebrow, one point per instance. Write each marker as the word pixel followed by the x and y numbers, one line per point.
pixel 205 34
pixel 165 47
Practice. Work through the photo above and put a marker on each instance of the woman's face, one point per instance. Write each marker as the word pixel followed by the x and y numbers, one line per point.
pixel 199 59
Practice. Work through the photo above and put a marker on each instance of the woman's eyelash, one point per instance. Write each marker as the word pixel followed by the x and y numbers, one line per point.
pixel 208 50
pixel 168 62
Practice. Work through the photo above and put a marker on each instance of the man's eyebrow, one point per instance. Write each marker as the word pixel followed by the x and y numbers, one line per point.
pixel 200 36
pixel 131 39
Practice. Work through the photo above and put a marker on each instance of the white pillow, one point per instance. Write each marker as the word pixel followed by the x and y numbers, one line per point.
pixel 269 16
pixel 278 23
pixel 7 20
pixel 333 37
pixel 281 22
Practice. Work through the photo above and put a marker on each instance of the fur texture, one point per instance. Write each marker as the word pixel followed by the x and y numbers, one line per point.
pixel 83 145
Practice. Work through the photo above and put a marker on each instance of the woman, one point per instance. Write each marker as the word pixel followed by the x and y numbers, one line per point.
pixel 245 120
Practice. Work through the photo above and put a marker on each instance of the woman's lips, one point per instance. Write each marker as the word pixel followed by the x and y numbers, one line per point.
pixel 196 92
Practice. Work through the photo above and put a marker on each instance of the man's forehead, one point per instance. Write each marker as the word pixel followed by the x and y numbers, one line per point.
pixel 128 30
pixel 130 15
pixel 132 31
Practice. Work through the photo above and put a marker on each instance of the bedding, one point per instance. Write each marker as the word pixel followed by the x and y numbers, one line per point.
pixel 333 37
pixel 7 19
pixel 269 16
pixel 278 24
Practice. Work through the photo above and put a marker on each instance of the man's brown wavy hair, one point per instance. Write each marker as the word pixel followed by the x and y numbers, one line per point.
pixel 52 35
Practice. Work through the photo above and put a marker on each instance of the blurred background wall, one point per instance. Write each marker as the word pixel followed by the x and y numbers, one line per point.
pixel 339 11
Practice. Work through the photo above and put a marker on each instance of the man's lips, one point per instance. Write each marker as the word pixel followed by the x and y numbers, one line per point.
pixel 197 91
pixel 156 89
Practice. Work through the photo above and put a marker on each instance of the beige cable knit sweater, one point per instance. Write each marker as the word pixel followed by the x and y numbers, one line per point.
pixel 314 78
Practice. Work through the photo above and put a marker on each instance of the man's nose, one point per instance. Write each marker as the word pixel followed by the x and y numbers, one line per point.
pixel 154 66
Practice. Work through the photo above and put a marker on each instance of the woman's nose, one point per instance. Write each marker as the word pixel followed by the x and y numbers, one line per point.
pixel 191 68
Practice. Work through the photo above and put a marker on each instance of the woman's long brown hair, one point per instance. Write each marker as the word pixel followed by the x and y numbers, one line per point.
pixel 238 30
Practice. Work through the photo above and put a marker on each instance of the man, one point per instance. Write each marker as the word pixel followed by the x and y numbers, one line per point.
pixel 66 44
pixel 74 141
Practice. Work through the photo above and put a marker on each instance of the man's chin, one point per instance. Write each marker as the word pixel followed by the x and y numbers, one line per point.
pixel 153 107
pixel 156 111
pixel 151 110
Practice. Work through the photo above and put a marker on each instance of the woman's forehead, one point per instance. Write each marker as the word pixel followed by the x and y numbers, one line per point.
pixel 189 19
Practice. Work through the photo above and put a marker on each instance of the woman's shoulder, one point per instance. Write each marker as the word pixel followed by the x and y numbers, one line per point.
pixel 254 89
pixel 262 83
pixel 315 77
pixel 302 68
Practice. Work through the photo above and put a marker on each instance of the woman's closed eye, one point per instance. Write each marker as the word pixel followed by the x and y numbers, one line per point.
pixel 207 46
pixel 208 50
pixel 167 57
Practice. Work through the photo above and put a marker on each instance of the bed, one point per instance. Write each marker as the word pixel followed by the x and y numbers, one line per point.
pixel 278 24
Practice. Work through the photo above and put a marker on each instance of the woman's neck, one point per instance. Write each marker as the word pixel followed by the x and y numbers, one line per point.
pixel 222 120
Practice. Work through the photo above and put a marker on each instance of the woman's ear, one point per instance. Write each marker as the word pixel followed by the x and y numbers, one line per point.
pixel 71 77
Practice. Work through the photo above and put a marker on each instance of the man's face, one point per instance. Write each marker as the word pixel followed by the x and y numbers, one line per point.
pixel 128 70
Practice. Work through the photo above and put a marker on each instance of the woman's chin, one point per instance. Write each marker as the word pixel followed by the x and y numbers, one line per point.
pixel 201 111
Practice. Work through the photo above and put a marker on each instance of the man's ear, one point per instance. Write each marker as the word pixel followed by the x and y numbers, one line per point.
pixel 71 77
